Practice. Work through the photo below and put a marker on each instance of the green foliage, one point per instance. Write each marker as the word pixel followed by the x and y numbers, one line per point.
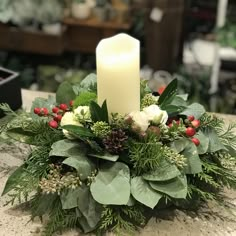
pixel 65 93
pixel 106 188
pixel 194 109
pixel 99 113
pixel 122 220
pixel 79 131
pixel 84 99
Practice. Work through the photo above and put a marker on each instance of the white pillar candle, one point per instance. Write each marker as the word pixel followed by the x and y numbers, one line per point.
pixel 221 13
pixel 118 73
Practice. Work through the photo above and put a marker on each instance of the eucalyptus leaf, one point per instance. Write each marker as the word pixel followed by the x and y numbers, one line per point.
pixel 14 179
pixel 214 141
pixel 172 109
pixel 89 81
pixel 165 171
pixel 112 184
pixel 204 142
pixel 194 164
pixel 105 156
pixel 195 109
pixel 179 145
pixel 183 96
pixel 176 188
pixel 65 93
pixel 179 101
pixel 69 198
pixel 142 192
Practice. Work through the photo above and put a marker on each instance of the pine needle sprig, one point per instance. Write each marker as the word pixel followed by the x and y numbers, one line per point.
pixel 228 136
pixel 7 110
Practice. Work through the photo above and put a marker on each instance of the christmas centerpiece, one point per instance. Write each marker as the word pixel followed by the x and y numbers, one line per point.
pixel 109 152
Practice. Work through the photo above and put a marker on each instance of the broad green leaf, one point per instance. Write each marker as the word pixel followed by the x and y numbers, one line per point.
pixel 179 144
pixel 48 103
pixel 112 184
pixel 89 82
pixel 183 96
pixel 65 93
pixel 78 130
pixel 176 188
pixel 214 141
pixel 168 95
pixel 179 101
pixel 194 164
pixel 165 171
pixel 81 163
pixel 204 142
pixel 66 148
pixel 172 109
pixel 69 198
pixel 89 208
pixel 14 179
pixel 194 109
pixel 20 135
pixel 99 113
pixel 142 192
pixel 105 156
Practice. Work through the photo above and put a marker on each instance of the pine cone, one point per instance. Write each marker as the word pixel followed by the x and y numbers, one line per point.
pixel 115 141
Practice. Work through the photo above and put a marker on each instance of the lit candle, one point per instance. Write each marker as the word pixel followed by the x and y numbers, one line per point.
pixel 118 73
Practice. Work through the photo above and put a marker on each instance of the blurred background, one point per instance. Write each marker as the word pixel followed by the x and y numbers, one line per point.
pixel 50 41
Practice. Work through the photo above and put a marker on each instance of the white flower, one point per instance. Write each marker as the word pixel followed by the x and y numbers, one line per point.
pixel 140 120
pixel 82 113
pixel 69 119
pixel 155 114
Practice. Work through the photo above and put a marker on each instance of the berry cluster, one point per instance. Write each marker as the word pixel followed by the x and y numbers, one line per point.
pixel 56 114
pixel 191 125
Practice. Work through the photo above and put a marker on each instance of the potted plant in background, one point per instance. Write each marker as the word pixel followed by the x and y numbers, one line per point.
pixel 80 9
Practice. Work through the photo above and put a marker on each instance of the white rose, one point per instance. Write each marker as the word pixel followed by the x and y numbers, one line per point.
pixel 69 119
pixel 140 120
pixel 82 113
pixel 155 114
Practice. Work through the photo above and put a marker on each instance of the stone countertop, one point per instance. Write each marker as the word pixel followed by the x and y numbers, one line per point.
pixel 210 221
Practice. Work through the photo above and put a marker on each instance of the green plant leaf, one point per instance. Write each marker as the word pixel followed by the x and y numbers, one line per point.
pixel 204 142
pixel 20 135
pixel 195 109
pixel 172 109
pixel 105 156
pixel 179 101
pixel 214 141
pixel 194 164
pixel 65 93
pixel 143 193
pixel 78 130
pixel 179 145
pixel 99 113
pixel 14 179
pixel 69 198
pixel 82 164
pixel 176 188
pixel 168 95
pixel 112 184
pixel 165 171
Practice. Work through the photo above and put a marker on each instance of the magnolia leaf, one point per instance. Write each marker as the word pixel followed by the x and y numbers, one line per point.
pixel 168 95
pixel 112 184
pixel 66 148
pixel 65 93
pixel 89 208
pixel 176 188
pixel 69 198
pixel 195 109
pixel 179 145
pixel 204 142
pixel 194 164
pixel 14 179
pixel 48 103
pixel 82 164
pixel 142 192
pixel 214 141
pixel 99 113
pixel 105 156
pixel 165 171
pixel 78 130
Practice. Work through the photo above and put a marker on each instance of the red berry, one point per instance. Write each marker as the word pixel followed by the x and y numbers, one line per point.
pixel 196 123
pixel 58 118
pixel 63 107
pixel 191 118
pixel 44 111
pixel 195 141
pixel 37 110
pixel 53 124
pixel 170 125
pixel 55 110
pixel 190 131
pixel 161 89
pixel 71 103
